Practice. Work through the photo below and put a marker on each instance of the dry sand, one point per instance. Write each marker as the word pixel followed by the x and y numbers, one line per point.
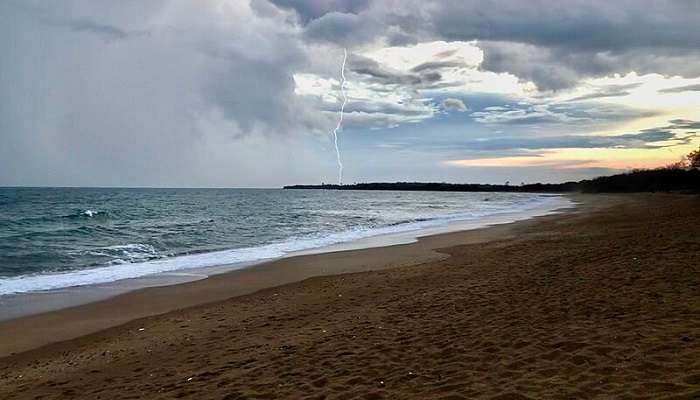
pixel 603 302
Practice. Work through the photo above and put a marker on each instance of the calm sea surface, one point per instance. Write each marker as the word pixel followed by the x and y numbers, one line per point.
pixel 59 237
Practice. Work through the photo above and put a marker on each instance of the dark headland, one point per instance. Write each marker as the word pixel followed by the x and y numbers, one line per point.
pixel 654 180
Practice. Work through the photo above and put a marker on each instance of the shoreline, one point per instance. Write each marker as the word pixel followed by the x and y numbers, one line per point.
pixel 176 267
pixel 24 304
pixel 597 302
pixel 102 309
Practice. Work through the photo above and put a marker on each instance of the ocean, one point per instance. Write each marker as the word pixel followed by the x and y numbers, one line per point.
pixel 53 238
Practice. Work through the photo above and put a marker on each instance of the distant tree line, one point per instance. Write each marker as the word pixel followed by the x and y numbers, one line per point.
pixel 683 176
pixel 442 187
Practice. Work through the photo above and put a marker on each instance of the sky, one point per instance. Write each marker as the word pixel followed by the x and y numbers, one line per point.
pixel 237 93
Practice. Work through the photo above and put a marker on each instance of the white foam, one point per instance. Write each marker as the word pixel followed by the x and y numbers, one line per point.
pixel 241 257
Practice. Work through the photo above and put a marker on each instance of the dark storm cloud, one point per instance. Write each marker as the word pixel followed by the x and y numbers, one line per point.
pixel 555 68
pixel 345 29
pixel 528 62
pixel 554 44
pixel 202 100
pixel 308 10
pixel 578 25
pixel 264 97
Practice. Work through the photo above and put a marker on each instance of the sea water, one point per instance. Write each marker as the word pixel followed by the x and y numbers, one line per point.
pixel 53 238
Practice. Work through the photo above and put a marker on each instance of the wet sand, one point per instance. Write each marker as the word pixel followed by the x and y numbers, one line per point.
pixel 601 302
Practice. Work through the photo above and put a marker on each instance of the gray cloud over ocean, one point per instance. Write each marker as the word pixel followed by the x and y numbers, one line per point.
pixel 199 93
pixel 118 93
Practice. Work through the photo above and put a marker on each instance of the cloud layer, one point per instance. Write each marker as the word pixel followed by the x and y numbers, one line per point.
pixel 245 93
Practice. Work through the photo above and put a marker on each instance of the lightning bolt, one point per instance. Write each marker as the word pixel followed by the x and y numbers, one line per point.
pixel 340 119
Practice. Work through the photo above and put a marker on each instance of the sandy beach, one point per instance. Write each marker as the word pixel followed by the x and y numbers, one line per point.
pixel 597 302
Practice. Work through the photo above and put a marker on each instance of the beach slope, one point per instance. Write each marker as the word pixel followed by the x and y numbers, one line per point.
pixel 600 302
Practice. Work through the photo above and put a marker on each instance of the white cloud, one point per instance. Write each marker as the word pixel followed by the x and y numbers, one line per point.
pixel 400 83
